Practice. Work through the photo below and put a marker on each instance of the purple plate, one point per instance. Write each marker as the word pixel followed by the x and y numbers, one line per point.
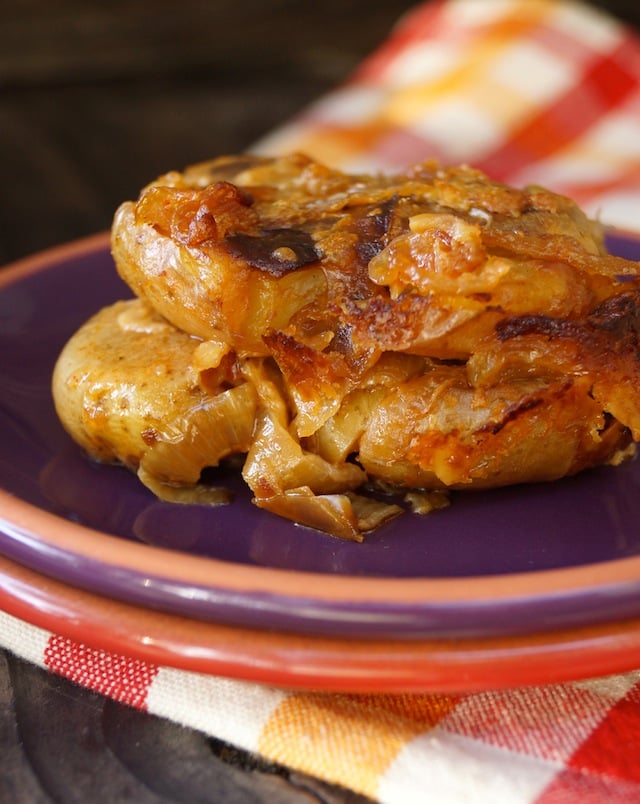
pixel 515 560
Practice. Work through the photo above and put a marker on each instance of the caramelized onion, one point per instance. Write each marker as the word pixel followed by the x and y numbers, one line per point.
pixel 217 427
pixel 413 333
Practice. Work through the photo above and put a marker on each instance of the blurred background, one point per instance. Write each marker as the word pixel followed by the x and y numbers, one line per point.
pixel 98 98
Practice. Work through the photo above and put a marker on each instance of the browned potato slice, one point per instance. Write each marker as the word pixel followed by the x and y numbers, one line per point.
pixel 417 332
pixel 208 293
pixel 126 390
pixel 436 431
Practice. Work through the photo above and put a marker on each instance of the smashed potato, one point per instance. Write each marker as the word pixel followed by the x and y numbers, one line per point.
pixel 344 334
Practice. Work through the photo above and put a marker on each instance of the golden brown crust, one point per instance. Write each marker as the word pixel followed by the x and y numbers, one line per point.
pixel 429 330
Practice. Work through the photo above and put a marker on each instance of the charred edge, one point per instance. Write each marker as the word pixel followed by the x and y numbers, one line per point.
pixel 524 407
pixel 275 251
pixel 373 230
pixel 534 325
pixel 618 316
pixel 342 341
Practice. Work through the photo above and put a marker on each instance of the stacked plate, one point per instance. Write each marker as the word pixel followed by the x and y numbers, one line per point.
pixel 529 584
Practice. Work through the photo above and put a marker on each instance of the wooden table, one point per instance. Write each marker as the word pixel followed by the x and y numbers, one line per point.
pixel 96 99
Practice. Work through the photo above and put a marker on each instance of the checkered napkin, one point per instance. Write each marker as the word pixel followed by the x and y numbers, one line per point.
pixel 567 742
pixel 529 91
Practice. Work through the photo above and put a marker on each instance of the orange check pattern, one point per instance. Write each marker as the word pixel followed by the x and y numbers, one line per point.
pixel 529 91
pixel 568 742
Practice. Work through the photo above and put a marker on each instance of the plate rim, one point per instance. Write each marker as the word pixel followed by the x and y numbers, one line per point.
pixel 34 523
pixel 315 663
pixel 30 524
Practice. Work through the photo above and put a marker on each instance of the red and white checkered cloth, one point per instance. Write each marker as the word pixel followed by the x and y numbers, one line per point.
pixel 567 742
pixel 530 91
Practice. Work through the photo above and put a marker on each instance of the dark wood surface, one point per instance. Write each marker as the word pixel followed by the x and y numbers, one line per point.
pixel 61 743
pixel 96 99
